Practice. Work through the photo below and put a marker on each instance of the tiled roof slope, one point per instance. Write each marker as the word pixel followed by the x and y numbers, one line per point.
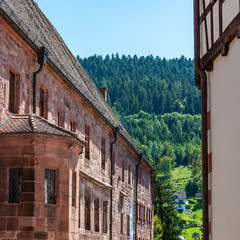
pixel 39 29
pixel 33 123
pixel 180 195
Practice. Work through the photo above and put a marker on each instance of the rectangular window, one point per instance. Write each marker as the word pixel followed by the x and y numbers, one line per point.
pixel 128 225
pixel 105 211
pixel 79 207
pixel 74 188
pixel 73 125
pixel 121 224
pixel 138 211
pixel 123 165
pixel 50 186
pixel 41 102
pixel 103 153
pixel 87 139
pixel 15 179
pixel 61 118
pixel 140 175
pixel 144 214
pixel 87 212
pixel 12 92
pixel 129 174
pixel 113 162
pixel 96 214
pixel 43 112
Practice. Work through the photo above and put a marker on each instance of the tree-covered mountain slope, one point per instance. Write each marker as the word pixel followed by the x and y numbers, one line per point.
pixel 153 85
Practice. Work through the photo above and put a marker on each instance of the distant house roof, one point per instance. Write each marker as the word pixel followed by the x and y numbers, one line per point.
pixel 37 30
pixel 35 124
pixel 180 195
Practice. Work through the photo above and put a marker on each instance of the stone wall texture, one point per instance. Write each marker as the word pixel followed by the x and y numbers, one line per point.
pixel 76 175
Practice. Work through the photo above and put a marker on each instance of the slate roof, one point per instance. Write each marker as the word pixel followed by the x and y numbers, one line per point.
pixel 37 30
pixel 35 124
pixel 181 195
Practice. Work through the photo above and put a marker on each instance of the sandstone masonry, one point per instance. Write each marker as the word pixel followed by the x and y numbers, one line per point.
pixel 70 170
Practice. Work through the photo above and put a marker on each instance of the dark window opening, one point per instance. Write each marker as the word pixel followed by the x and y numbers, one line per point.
pixel 87 139
pixel 96 214
pixel 129 174
pixel 105 211
pixel 15 179
pixel 113 162
pixel 79 206
pixel 41 103
pixel 121 198
pixel 87 212
pixel 12 92
pixel 74 188
pixel 61 118
pixel 103 153
pixel 128 225
pixel 50 186
pixel 140 175
pixel 121 224
pixel 123 164
pixel 73 126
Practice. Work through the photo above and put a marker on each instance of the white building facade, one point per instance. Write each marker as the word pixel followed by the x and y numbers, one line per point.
pixel 217 58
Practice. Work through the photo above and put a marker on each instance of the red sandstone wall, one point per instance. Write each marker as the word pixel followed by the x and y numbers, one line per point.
pixel 32 218
pixel 17 56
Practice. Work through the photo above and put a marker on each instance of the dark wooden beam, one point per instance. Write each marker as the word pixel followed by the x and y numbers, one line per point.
pixel 225 49
pixel 205 25
pixel 212 26
pixel 208 9
pixel 220 17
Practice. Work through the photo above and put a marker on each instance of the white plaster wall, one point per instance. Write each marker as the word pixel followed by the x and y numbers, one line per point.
pixel 224 101
pixel 230 9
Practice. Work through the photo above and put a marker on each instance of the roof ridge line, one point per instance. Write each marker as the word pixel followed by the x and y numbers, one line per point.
pixel 32 122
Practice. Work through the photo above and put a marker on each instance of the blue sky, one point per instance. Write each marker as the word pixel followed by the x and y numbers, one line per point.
pixel 159 27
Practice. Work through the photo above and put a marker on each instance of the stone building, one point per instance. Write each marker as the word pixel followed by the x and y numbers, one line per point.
pixel 217 57
pixel 68 168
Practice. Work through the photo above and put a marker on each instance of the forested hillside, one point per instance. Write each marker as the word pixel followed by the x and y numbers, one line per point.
pixel 158 103
pixel 153 85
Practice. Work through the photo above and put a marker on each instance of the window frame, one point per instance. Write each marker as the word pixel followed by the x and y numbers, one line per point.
pixel 11 183
pixel 14 91
pixel 50 194
pixel 105 217
pixel 87 139
pixel 103 153
pixel 87 211
pixel 61 118
pixel 96 214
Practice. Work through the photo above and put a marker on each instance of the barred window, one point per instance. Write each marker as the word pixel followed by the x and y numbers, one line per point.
pixel 103 153
pixel 105 211
pixel 87 212
pixel 50 186
pixel 15 179
pixel 96 214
